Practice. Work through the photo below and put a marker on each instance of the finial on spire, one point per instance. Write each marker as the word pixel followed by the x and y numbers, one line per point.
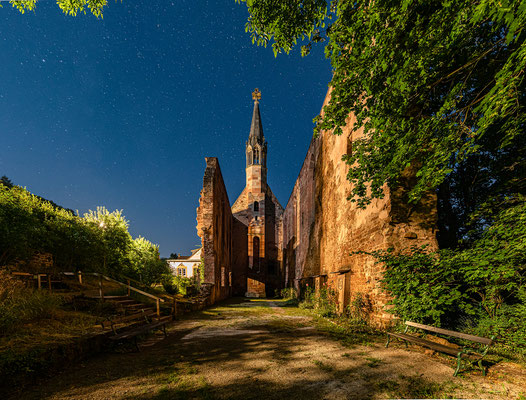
pixel 256 95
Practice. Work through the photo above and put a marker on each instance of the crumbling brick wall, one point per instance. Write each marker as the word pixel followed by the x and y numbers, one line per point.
pixel 215 227
pixel 322 229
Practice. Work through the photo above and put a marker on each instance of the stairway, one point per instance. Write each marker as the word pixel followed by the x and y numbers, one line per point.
pixel 127 305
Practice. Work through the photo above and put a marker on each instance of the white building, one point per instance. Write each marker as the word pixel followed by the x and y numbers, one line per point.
pixel 187 266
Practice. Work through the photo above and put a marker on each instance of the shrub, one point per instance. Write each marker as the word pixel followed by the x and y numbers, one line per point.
pixel 18 304
pixel 359 308
pixel 182 285
pixel 169 284
pixel 289 294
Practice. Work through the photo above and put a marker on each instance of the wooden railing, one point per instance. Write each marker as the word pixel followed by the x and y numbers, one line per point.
pixel 102 277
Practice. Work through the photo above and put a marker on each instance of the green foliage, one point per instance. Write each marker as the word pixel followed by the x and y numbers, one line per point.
pixel 483 283
pixel 145 262
pixel 359 309
pixel 69 7
pixel 424 288
pixel 4 180
pixel 202 271
pixel 323 302
pixel 428 82
pixel 289 293
pixel 180 284
pixel 18 304
pixel 98 242
pixel 507 323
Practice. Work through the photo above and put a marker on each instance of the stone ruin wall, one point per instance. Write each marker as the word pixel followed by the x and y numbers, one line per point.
pixel 215 227
pixel 321 227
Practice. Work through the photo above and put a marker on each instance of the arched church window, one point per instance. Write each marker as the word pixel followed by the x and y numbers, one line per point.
pixel 256 206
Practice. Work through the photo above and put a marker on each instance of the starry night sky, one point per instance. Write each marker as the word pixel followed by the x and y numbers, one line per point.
pixel 121 111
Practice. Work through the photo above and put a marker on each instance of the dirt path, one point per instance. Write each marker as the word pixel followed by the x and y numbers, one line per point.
pixel 259 350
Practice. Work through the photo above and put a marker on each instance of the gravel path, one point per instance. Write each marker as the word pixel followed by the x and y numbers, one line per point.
pixel 257 349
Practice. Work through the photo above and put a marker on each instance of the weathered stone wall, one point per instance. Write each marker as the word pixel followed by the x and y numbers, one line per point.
pixel 321 228
pixel 240 258
pixel 215 227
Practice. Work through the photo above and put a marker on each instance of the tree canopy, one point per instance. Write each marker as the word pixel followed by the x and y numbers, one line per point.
pixel 430 83
pixel 69 7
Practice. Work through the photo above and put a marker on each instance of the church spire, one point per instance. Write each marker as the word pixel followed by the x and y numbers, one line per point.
pixel 256 128
pixel 256 146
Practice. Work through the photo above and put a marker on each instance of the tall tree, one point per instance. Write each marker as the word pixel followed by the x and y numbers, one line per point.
pixel 432 84
pixel 4 180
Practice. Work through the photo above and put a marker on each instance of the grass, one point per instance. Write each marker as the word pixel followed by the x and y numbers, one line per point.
pixel 373 362
pixel 184 382
pixel 323 366
pixel 415 387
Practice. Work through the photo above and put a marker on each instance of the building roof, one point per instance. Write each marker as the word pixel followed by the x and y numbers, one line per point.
pixel 195 256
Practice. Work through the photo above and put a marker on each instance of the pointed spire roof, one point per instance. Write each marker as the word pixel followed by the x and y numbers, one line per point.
pixel 256 128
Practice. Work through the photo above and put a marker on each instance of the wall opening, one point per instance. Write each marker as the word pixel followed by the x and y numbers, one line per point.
pixel 255 253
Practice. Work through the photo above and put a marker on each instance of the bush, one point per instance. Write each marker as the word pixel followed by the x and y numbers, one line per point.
pixel 323 302
pixel 482 283
pixel 182 285
pixel 169 284
pixel 289 294
pixel 18 304
pixel 359 309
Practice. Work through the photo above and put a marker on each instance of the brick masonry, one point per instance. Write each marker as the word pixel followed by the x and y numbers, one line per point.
pixel 315 239
pixel 321 228
pixel 215 226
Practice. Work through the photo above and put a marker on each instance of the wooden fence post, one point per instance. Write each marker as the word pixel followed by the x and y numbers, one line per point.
pixel 49 282
pixel 158 309
pixel 129 288
pixel 80 276
pixel 39 281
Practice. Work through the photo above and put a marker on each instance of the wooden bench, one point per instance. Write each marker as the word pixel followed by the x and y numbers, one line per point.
pixel 113 322
pixel 150 324
pixel 461 353
pixel 134 333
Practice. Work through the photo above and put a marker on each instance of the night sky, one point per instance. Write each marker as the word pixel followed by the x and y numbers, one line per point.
pixel 121 112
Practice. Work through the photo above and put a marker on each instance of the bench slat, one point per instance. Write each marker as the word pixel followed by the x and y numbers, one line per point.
pixel 473 338
pixel 433 345
pixel 138 331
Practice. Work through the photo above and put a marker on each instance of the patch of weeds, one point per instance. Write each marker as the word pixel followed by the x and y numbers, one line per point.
pixel 348 355
pixel 204 390
pixel 413 387
pixel 373 362
pixel 324 367
pixel 388 386
pixel 522 396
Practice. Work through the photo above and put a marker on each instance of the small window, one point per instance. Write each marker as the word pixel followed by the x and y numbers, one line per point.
pixel 181 271
pixel 256 206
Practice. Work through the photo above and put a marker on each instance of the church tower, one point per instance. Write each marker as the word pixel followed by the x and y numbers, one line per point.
pixel 259 211
pixel 256 151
